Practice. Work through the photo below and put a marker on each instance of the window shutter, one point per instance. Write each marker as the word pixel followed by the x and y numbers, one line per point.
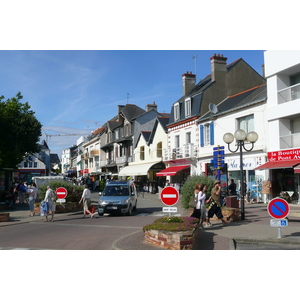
pixel 212 134
pixel 201 136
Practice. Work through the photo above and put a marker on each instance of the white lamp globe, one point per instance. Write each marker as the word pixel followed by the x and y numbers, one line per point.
pixel 252 137
pixel 240 135
pixel 228 138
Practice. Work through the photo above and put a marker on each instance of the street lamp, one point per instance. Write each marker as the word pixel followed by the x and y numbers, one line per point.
pixel 241 136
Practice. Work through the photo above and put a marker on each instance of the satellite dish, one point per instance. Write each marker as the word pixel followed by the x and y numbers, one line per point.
pixel 212 108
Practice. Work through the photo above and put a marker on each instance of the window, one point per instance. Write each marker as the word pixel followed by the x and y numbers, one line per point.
pixel 188 106
pixel 127 130
pixel 295 79
pixel 142 153
pixel 188 138
pixel 177 141
pixel 35 164
pixel 159 149
pixel 116 134
pixel 176 111
pixel 246 123
pixel 207 134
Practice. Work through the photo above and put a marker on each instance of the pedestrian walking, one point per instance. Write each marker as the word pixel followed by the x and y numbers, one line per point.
pixel 21 189
pixel 36 193
pixel 31 200
pixel 200 209
pixel 196 213
pixel 51 206
pixel 215 204
pixel 232 188
pixel 86 199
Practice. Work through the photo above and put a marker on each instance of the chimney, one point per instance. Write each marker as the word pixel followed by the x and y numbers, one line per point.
pixel 120 107
pixel 218 67
pixel 188 82
pixel 152 106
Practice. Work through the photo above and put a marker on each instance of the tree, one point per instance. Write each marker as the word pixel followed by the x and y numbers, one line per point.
pixel 19 131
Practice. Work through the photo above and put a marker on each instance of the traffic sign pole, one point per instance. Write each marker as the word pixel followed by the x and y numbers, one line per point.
pixel 278 209
pixel 169 196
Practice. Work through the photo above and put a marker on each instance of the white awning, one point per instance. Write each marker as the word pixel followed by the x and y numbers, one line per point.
pixel 135 170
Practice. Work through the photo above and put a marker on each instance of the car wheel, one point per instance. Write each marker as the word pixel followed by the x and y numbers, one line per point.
pixel 129 213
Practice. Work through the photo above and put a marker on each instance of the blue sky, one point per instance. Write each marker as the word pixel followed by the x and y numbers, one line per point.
pixel 76 91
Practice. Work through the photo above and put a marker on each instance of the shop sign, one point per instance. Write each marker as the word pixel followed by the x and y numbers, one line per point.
pixel 234 164
pixel 284 155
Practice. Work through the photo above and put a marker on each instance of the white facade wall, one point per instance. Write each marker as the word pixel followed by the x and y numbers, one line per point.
pixel 65 160
pixel 228 123
pixel 92 155
pixel 279 66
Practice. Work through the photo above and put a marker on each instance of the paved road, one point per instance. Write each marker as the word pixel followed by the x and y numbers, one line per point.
pixel 72 232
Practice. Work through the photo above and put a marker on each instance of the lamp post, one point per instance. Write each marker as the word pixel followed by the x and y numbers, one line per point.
pixel 240 137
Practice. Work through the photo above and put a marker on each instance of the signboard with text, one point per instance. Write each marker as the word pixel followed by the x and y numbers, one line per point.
pixel 284 155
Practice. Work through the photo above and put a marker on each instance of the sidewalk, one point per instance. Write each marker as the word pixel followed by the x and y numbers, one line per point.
pixel 254 230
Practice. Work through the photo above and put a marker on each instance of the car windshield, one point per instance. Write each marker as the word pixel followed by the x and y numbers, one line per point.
pixel 115 190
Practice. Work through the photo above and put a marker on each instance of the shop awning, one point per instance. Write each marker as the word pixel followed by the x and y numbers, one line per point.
pixel 284 164
pixel 171 171
pixel 135 170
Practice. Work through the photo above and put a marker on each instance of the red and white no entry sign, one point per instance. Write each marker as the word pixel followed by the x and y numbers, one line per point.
pixel 169 195
pixel 61 193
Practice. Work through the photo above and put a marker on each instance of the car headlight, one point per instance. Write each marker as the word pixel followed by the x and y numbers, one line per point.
pixel 125 201
pixel 101 202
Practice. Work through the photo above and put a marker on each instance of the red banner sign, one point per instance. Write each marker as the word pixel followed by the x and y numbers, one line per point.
pixel 284 155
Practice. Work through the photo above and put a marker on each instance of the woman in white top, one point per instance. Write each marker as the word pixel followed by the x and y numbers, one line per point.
pixel 86 198
pixel 201 200
pixel 200 209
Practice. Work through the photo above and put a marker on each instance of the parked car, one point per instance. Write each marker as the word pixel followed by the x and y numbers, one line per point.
pixel 118 197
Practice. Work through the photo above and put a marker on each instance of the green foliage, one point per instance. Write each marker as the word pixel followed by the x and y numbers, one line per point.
pixel 74 191
pixel 187 190
pixel 19 131
pixel 173 224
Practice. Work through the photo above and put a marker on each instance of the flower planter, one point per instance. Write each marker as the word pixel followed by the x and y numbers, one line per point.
pixel 181 240
pixel 4 217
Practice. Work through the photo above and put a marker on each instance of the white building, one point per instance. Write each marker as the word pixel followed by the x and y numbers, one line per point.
pixel 282 70
pixel 245 111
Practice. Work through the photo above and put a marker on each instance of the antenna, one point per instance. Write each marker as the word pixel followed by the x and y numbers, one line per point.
pixel 213 108
pixel 195 63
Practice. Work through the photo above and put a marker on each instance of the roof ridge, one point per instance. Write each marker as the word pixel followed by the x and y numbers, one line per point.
pixel 246 91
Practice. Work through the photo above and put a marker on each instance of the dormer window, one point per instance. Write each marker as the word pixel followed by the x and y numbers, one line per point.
pixel 176 111
pixel 188 107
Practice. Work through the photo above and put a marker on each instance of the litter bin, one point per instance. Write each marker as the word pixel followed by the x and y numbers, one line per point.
pixel 232 201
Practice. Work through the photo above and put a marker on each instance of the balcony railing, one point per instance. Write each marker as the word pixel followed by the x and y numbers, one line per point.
pixel 123 159
pixel 290 141
pixel 187 151
pixel 289 94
